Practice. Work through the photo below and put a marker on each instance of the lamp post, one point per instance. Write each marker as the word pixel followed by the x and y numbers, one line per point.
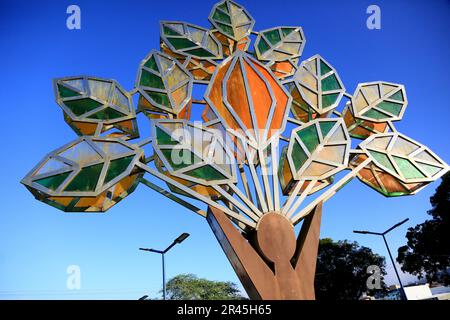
pixel 383 234
pixel 178 240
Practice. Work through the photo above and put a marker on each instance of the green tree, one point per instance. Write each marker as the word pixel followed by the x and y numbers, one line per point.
pixel 190 287
pixel 427 252
pixel 341 272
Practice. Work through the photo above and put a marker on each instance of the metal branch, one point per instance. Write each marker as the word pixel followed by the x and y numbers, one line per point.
pixel 245 182
pixel 200 197
pixel 276 191
pixel 300 199
pixel 235 202
pixel 265 173
pixel 173 197
pixel 255 179
pixel 292 196
pixel 330 192
pixel 247 201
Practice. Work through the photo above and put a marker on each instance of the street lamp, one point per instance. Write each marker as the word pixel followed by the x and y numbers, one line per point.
pixel 389 251
pixel 178 240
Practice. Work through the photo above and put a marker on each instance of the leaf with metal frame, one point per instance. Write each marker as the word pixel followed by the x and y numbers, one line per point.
pixel 190 40
pixel 280 44
pixel 360 128
pixel 231 20
pixel 400 165
pixel 164 85
pixel 319 149
pixel 379 101
pixel 248 99
pixel 88 174
pixel 316 89
pixel 200 69
pixel 92 106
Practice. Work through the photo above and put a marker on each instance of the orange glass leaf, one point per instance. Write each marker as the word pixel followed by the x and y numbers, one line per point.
pixel 248 98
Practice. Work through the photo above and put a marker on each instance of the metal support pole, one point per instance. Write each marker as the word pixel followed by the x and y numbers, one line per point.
pixel 402 289
pixel 178 240
pixel 164 276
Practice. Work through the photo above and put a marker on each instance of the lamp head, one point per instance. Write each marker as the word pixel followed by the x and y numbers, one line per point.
pixel 181 238
pixel 361 232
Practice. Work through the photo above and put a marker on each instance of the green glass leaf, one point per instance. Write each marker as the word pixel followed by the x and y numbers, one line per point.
pixel 321 92
pixel 383 160
pixel 273 36
pixel 299 156
pixel 169 90
pixel 378 95
pixel 397 96
pixel 263 46
pixel 221 16
pixel 309 137
pixel 223 7
pixel 200 53
pixel 151 64
pixel 226 29
pixel 232 20
pixel 287 31
pixel 162 138
pixel 431 170
pixel 207 173
pixel 106 114
pixel 390 107
pixel 65 92
pixel 408 170
pixel 160 98
pixel 282 43
pixel 191 37
pixel 117 167
pixel 53 182
pixel 151 80
pixel 86 179
pixel 325 127
pixel 329 99
pixel 180 158
pixel 330 83
pixel 170 32
pixel 81 106
pixel 371 113
pixel 181 43
pixel 324 68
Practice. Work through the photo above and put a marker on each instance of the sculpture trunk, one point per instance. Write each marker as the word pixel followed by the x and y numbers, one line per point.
pixel 270 262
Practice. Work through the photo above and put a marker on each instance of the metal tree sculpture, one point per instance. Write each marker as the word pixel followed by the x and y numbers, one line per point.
pixel 269 139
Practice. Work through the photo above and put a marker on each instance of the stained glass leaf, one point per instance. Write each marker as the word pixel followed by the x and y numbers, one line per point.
pixel 232 20
pixel 184 150
pixel 379 101
pixel 188 39
pixel 319 149
pixel 402 158
pixel 164 84
pixel 316 87
pixel 279 44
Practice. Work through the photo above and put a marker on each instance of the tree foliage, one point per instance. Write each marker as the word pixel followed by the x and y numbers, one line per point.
pixel 190 287
pixel 341 272
pixel 427 252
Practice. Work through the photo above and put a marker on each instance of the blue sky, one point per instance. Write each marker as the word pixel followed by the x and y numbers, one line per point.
pixel 38 243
